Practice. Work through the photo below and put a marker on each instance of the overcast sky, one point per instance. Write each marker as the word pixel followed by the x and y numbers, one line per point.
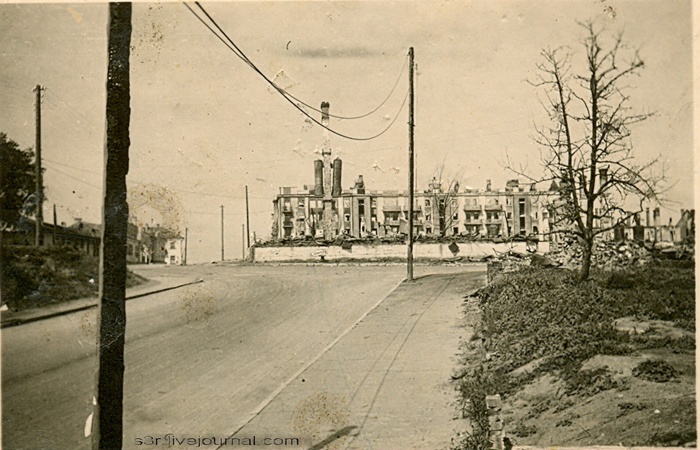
pixel 204 125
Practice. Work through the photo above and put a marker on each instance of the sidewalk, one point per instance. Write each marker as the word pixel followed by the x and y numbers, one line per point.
pixel 386 383
pixel 152 286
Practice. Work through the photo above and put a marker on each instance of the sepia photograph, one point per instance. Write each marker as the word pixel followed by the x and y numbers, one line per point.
pixel 361 224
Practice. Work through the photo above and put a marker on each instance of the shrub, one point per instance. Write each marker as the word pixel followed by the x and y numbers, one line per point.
pixel 589 382
pixel 522 431
pixel 656 370
pixel 663 290
pixel 535 313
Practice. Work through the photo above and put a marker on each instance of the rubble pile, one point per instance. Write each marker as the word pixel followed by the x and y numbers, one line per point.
pixel 504 262
pixel 605 255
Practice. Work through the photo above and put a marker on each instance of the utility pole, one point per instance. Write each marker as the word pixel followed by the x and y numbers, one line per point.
pixel 111 313
pixel 222 232
pixel 55 220
pixel 247 218
pixel 39 216
pixel 184 263
pixel 411 172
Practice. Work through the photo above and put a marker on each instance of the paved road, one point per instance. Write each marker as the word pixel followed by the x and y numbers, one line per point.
pixel 198 359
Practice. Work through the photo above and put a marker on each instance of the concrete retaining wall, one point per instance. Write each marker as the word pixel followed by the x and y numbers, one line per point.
pixel 369 252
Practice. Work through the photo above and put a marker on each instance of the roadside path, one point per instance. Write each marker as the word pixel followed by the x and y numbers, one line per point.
pixel 386 383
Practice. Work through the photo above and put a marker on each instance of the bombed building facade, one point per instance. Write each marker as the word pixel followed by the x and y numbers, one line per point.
pixel 325 209
pixel 317 211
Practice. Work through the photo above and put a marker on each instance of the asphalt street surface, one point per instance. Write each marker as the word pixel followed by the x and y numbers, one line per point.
pixel 199 359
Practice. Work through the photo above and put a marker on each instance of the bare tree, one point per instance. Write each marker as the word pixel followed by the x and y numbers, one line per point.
pixel 586 146
pixel 443 192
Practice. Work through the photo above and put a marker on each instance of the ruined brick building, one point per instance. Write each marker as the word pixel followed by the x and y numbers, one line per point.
pixel 325 209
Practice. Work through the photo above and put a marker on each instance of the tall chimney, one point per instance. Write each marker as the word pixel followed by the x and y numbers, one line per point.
pixel 337 177
pixel 326 153
pixel 324 113
pixel 329 230
pixel 318 172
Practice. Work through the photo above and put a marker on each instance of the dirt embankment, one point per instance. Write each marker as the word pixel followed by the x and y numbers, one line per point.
pixel 607 362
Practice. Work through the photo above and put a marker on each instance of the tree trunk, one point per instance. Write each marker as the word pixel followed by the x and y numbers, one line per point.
pixel 586 260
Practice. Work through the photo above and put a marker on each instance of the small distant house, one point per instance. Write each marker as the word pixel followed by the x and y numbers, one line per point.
pixel 174 248
pixel 81 235
pixel 161 245
pixel 145 245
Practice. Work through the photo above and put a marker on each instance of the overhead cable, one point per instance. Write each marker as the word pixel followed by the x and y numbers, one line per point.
pixel 237 51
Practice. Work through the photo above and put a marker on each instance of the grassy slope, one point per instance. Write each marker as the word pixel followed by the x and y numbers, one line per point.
pixel 36 277
pixel 539 343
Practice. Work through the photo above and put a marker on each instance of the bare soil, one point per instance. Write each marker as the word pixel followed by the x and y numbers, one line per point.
pixel 634 412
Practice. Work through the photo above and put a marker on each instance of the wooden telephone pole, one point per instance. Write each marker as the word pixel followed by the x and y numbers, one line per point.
pixel 247 218
pixel 39 216
pixel 222 232
pixel 184 262
pixel 409 276
pixel 111 314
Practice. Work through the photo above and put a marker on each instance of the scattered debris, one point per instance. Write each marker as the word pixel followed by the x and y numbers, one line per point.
pixel 606 255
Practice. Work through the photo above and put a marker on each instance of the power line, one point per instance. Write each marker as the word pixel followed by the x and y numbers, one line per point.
pixel 403 68
pixel 73 112
pixel 281 91
pixel 75 178
pixel 139 183
pixel 72 167
pixel 213 195
pixel 238 52
pixel 229 214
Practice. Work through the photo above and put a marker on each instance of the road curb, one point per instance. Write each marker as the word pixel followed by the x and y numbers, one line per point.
pixel 19 321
